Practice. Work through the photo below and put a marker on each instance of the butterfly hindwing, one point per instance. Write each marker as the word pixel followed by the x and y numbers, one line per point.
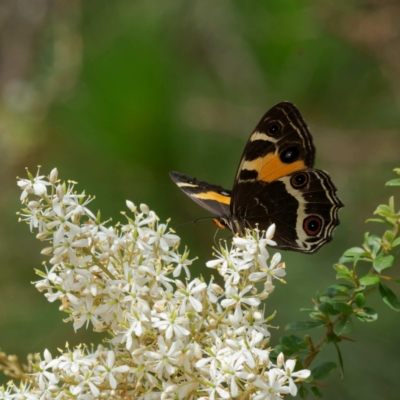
pixel 304 206
pixel 213 198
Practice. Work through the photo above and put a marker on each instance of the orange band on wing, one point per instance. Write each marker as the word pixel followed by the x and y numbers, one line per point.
pixel 270 168
pixel 213 196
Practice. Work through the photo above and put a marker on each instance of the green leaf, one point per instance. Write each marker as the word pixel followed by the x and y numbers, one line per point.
pixel 332 338
pixel 396 242
pixel 393 182
pixel 327 308
pixel 277 350
pixel 353 254
pixel 323 370
pixel 292 342
pixel 389 236
pixel 383 210
pixel 354 251
pixel 376 220
pixel 344 326
pixel 303 392
pixel 359 299
pixel 382 262
pixel 389 297
pixel 316 392
pixel 369 279
pixel 367 314
pixel 302 325
pixel 343 308
pixel 333 290
pixel 318 316
pixel 340 360
pixel 343 272
pixel 391 203
pixel 374 243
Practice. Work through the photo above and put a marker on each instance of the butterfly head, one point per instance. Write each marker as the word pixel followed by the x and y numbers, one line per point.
pixel 231 222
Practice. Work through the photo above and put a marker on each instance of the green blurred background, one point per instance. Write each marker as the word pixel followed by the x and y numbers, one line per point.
pixel 117 94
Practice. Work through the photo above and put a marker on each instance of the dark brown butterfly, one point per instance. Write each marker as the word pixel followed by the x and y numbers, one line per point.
pixel 275 183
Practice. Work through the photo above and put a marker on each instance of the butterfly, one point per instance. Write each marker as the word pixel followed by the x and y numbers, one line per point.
pixel 275 184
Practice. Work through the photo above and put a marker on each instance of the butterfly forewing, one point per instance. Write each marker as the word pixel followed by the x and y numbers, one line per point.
pixel 213 198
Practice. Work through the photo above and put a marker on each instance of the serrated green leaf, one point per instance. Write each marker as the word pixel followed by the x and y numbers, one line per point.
pixel 323 370
pixel 396 242
pixel 303 392
pixel 367 314
pixel 302 325
pixel 382 262
pixel 316 392
pixel 389 297
pixel 393 182
pixel 359 299
pixel 343 308
pixel 369 279
pixel 344 326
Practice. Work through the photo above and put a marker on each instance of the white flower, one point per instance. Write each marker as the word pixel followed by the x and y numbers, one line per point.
pixel 172 325
pixel 288 373
pixel 192 294
pixel 272 389
pixel 35 185
pixel 110 371
pixel 166 359
pixel 273 271
pixel 181 261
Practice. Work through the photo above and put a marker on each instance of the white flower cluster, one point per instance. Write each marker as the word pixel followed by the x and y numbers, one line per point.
pixel 170 338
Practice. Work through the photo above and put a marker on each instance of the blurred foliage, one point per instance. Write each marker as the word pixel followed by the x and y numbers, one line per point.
pixel 117 94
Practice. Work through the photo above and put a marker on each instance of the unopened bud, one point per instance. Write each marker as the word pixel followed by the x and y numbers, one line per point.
pixel 53 175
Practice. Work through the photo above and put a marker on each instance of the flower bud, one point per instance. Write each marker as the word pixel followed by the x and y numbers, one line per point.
pixel 144 208
pixel 131 205
pixel 60 192
pixel 280 360
pixel 53 175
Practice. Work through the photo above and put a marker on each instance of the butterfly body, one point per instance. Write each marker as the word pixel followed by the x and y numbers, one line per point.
pixel 275 183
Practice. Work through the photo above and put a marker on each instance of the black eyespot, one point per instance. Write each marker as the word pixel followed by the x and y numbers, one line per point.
pixel 312 225
pixel 289 155
pixel 274 128
pixel 299 180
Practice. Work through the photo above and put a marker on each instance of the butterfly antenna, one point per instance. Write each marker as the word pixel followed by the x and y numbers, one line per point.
pixel 193 222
